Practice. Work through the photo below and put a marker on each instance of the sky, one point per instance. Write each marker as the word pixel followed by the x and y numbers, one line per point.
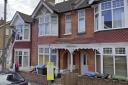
pixel 24 6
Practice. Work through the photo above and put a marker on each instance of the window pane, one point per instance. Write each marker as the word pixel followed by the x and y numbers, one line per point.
pixel 108 64
pixel 68 24
pixel 120 50
pixel 118 17
pixel 19 33
pixel 40 59
pixel 107 19
pixel 46 50
pixel 81 22
pixel 25 61
pixel 96 21
pixel 41 29
pixel 54 29
pixel 47 28
pixel 46 59
pixel 118 3
pixel 107 50
pixel 98 64
pixel 81 26
pixel 106 5
pixel 26 33
pixel 120 66
pixel 53 59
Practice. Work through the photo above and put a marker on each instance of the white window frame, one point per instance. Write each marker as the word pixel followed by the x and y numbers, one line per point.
pixel 83 29
pixel 68 22
pixel 113 54
pixel 23 28
pixel 50 25
pixel 46 47
pixel 23 50
pixel 100 25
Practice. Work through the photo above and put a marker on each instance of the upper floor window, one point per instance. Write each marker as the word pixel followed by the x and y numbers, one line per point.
pixel 48 25
pixel 81 21
pixel 110 14
pixel 68 24
pixel 23 32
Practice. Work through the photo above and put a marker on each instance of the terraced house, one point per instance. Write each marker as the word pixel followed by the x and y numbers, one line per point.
pixel 81 35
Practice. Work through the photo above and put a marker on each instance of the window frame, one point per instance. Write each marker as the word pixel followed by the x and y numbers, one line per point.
pixel 44 54
pixel 79 17
pixel 100 25
pixel 23 50
pixel 23 29
pixel 50 25
pixel 68 22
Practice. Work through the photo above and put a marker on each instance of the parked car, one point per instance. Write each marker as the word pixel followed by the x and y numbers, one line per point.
pixel 12 78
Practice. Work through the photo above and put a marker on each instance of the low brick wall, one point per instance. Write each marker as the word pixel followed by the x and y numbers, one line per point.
pixel 83 80
pixel 35 78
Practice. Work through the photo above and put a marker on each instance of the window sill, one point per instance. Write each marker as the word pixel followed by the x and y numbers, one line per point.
pixel 68 34
pixel 22 40
pixel 81 33
pixel 111 29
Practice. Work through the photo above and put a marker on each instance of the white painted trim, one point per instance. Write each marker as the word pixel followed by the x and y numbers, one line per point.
pixel 13 20
pixel 38 7
pixel 127 60
pixel 95 62
pixel 113 55
pixel 91 1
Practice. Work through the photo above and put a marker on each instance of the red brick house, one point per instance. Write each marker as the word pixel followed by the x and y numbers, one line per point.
pixel 22 44
pixel 83 35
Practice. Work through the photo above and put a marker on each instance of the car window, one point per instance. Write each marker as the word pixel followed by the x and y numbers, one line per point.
pixel 3 79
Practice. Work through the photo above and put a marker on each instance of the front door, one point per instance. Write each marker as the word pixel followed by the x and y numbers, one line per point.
pixel 84 66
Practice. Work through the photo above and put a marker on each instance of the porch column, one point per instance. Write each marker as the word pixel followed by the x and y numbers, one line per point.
pixel 71 53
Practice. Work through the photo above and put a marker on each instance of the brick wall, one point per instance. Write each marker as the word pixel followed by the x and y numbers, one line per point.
pixel 89 20
pixel 34 52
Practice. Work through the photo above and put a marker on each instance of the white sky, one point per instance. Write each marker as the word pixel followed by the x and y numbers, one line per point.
pixel 25 6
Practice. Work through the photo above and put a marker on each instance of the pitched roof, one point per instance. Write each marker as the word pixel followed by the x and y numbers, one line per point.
pixel 68 5
pixel 25 17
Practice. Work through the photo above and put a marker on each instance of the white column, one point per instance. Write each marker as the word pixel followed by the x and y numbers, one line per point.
pixel 101 55
pixel 71 54
pixel 95 61
pixel 113 52
pixel 57 63
pixel 127 60
pixel 49 53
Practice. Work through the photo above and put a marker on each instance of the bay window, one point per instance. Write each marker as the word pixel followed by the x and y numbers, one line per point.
pixel 110 14
pixel 23 32
pixel 48 25
pixel 81 21
pixel 68 24
pixel 114 62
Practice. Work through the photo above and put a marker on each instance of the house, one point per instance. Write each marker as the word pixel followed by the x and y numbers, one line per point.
pixel 81 35
pixel 22 43
pixel 4 38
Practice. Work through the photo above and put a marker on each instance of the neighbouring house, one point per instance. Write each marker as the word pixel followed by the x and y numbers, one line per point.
pixel 22 43
pixel 5 38
pixel 80 36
